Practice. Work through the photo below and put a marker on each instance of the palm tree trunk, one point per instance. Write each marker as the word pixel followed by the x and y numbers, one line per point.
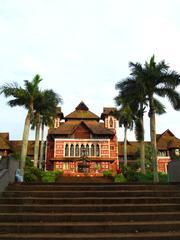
pixel 142 149
pixel 153 138
pixel 42 145
pixel 25 142
pixel 36 145
pixel 125 146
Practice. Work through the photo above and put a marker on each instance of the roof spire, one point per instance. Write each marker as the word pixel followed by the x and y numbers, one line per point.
pixel 82 106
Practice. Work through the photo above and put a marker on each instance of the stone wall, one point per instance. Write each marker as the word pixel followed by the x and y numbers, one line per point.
pixel 8 166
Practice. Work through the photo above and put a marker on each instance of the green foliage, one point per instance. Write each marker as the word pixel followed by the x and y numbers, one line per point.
pixel 32 174
pixel 145 178
pixel 107 173
pixel 163 177
pixel 29 176
pixel 50 176
pixel 148 177
pixel 28 163
pixel 120 178
pixel 148 157
pixel 130 173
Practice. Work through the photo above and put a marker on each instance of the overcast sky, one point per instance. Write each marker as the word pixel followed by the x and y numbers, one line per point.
pixel 81 49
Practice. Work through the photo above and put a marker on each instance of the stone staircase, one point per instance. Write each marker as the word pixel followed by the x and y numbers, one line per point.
pixel 77 210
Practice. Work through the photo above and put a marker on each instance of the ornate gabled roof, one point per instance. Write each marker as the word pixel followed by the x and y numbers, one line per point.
pixel 16 146
pixel 132 148
pixel 167 140
pixel 82 106
pixel 82 113
pixel 69 127
pixel 108 111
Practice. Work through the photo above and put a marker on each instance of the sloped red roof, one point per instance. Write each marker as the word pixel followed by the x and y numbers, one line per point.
pixel 82 113
pixel 4 141
pixel 108 111
pixel 17 144
pixel 132 148
pixel 70 126
pixel 167 140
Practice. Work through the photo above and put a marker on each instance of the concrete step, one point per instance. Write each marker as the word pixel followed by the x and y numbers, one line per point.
pixel 90 211
pixel 91 193
pixel 95 236
pixel 88 208
pixel 88 200
pixel 89 217
pixel 91 186
pixel 92 227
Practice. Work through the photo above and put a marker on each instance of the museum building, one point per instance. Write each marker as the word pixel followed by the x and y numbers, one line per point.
pixel 83 143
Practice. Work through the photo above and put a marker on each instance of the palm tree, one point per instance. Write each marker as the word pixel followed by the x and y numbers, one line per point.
pixel 161 81
pixel 125 117
pixel 133 91
pixel 25 97
pixel 133 95
pixel 45 110
pixel 35 124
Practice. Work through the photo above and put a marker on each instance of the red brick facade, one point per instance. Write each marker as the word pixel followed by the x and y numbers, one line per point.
pixel 82 145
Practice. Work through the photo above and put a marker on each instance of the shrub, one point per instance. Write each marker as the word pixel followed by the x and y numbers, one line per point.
pixel 29 176
pixel 130 174
pixel 28 162
pixel 50 176
pixel 107 173
pixel 163 177
pixel 149 178
pixel 120 178
pixel 145 178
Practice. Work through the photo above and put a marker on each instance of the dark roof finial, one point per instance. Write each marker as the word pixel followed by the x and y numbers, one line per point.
pixel 82 106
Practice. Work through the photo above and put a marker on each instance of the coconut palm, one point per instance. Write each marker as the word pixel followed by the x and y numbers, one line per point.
pixel 125 117
pixel 133 95
pixel 132 91
pixel 25 97
pixel 161 81
pixel 45 110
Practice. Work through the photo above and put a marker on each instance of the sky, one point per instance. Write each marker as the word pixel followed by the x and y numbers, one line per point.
pixel 82 48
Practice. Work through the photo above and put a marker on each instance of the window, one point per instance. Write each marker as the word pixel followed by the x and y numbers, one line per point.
pixel 77 150
pixel 87 150
pixel 177 152
pixel 97 150
pixel 92 150
pixel 82 150
pixel 162 153
pixel 111 122
pixel 66 150
pixel 112 148
pixel 72 150
pixel 65 166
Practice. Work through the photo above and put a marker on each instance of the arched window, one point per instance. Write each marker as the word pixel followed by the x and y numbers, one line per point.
pixel 92 150
pixel 82 151
pixel 111 122
pixel 87 149
pixel 77 150
pixel 72 150
pixel 66 150
pixel 97 150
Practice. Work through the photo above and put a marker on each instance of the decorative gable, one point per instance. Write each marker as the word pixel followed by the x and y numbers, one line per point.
pixel 82 132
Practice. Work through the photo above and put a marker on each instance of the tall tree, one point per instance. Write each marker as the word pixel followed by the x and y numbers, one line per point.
pixel 133 92
pixel 133 95
pixel 125 118
pixel 161 81
pixel 25 97
pixel 45 110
